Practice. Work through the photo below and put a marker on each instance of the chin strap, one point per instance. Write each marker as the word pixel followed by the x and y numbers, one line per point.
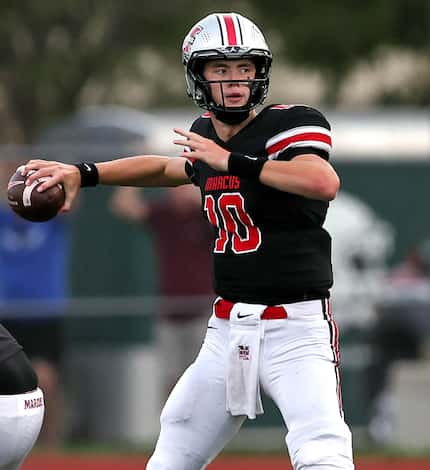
pixel 231 117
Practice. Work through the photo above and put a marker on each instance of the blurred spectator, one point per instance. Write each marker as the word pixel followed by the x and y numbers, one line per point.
pixel 182 239
pixel 33 267
pixel 401 332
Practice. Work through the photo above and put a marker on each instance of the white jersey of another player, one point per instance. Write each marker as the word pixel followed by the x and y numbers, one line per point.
pixel 21 404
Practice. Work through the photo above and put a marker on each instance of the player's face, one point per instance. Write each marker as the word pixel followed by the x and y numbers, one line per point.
pixel 229 94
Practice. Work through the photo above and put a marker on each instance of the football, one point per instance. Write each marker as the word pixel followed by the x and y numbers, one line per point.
pixel 31 204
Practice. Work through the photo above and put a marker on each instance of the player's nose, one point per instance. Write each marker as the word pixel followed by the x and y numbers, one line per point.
pixel 234 84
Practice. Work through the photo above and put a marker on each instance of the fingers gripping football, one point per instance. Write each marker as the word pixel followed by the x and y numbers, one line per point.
pixel 54 173
pixel 31 204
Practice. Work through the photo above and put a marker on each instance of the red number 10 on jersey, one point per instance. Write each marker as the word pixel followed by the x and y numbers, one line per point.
pixel 228 214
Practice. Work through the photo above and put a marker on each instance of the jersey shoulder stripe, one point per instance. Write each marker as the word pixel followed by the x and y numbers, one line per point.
pixel 283 106
pixel 302 136
pixel 298 126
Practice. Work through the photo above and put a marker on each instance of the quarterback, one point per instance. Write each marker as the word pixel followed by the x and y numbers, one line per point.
pixel 265 182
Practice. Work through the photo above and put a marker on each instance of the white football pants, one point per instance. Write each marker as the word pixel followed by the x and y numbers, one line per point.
pixel 297 369
pixel 21 418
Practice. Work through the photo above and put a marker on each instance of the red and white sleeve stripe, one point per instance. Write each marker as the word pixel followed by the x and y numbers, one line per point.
pixel 303 136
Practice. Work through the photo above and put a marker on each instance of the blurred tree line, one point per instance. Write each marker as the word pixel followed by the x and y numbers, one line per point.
pixel 57 55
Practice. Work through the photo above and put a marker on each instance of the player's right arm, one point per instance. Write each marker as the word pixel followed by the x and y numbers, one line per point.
pixel 142 170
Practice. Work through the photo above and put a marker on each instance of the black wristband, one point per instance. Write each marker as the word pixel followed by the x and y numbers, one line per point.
pixel 89 174
pixel 244 166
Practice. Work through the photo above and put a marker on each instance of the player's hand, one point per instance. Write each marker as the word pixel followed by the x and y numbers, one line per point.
pixel 203 149
pixel 55 173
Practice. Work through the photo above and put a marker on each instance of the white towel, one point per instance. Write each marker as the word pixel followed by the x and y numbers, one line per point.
pixel 243 384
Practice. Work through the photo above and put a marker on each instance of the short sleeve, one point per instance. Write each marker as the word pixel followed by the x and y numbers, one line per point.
pixel 192 171
pixel 303 130
pixel 191 165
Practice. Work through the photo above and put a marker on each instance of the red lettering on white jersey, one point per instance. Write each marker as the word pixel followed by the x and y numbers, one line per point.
pixel 33 403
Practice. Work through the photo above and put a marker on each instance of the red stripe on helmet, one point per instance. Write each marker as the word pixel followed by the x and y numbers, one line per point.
pixel 231 32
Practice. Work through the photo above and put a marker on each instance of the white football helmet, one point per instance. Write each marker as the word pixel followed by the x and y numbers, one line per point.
pixel 225 36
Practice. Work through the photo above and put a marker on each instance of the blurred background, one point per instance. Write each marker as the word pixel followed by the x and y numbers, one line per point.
pixel 101 298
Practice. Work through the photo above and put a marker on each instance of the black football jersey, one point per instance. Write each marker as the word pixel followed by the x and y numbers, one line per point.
pixel 269 245
pixel 8 344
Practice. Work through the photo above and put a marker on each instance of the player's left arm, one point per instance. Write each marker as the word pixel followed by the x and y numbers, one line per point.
pixel 307 174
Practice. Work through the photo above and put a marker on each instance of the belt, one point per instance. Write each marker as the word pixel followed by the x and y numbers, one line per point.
pixel 222 309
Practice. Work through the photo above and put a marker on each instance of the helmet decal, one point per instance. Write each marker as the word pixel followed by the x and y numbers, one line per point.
pixel 189 40
pixel 230 29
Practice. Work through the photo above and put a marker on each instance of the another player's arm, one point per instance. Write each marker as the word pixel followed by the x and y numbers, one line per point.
pixel 143 170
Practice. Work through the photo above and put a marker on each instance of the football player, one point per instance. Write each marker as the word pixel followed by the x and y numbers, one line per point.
pixel 21 403
pixel 265 184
